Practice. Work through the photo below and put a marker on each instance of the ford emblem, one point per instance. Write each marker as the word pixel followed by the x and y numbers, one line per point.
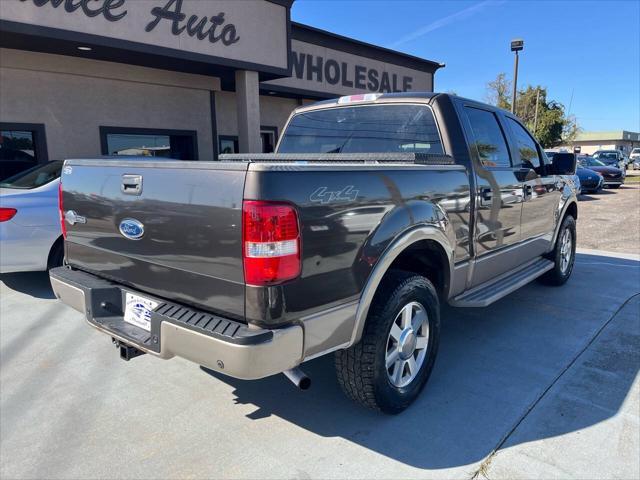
pixel 131 229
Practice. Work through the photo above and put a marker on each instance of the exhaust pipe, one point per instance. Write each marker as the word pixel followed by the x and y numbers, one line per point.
pixel 298 378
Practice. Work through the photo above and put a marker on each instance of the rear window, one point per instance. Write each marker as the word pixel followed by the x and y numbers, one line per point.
pixel 363 129
pixel 34 177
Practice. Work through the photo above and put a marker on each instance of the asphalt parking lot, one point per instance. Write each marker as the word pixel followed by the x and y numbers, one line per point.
pixel 610 220
pixel 543 383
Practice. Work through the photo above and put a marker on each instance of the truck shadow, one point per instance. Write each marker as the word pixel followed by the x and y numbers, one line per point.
pixel 34 284
pixel 493 365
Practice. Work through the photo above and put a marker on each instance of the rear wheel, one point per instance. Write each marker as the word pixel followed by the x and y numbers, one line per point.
pixel 391 364
pixel 563 255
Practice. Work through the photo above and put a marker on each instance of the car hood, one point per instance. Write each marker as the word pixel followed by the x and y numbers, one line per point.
pixel 584 173
pixel 610 170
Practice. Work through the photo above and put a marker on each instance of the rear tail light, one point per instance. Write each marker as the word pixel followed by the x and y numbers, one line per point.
pixel 61 211
pixel 271 242
pixel 7 214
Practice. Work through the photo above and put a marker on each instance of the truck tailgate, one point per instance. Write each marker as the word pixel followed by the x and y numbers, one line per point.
pixel 189 215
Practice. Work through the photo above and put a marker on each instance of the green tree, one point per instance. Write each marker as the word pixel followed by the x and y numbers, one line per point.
pixel 498 92
pixel 551 126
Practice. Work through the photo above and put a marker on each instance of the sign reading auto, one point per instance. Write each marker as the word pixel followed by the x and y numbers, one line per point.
pixel 249 31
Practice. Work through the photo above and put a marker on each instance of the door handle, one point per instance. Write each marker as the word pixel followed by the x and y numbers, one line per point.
pixel 131 184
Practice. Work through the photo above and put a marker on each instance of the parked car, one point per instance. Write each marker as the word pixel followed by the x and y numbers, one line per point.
pixel 30 235
pixel 613 177
pixel 634 159
pixel 590 180
pixel 613 158
pixel 220 263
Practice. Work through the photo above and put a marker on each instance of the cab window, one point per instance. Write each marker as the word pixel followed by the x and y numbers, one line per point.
pixel 488 140
pixel 526 146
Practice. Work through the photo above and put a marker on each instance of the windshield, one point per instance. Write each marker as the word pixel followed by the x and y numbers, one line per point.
pixel 34 177
pixel 635 150
pixel 363 129
pixel 590 162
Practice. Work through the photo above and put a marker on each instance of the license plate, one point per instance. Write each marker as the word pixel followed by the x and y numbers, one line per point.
pixel 137 311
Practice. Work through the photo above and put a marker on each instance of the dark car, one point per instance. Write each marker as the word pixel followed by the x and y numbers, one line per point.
pixel 590 180
pixel 612 176
pixel 611 158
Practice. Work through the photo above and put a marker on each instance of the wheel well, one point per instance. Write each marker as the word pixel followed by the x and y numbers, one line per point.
pixel 59 241
pixel 426 258
pixel 572 210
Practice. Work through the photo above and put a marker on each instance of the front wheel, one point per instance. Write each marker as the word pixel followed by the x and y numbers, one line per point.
pixel 563 255
pixel 392 362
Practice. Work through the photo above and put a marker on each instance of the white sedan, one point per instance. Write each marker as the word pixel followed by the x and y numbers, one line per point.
pixel 30 233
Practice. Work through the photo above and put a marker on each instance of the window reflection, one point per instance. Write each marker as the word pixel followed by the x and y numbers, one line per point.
pixel 17 152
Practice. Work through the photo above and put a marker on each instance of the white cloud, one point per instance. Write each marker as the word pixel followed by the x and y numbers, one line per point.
pixel 445 21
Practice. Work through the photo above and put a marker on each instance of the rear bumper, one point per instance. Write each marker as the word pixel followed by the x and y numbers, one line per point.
pixel 223 345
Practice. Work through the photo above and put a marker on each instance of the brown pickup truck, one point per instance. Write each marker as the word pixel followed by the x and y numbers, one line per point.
pixel 374 211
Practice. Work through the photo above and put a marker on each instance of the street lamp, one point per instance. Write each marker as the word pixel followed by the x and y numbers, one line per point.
pixel 516 46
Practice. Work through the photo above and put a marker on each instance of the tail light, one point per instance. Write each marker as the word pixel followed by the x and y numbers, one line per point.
pixel 63 226
pixel 7 214
pixel 271 242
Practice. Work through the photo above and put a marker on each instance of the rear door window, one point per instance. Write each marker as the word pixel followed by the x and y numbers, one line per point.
pixel 488 141
pixel 363 129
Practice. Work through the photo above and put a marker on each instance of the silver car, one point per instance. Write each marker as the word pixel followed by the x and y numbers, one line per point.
pixel 30 232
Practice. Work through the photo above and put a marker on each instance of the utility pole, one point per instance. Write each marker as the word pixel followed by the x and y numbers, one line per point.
pixel 516 46
pixel 535 117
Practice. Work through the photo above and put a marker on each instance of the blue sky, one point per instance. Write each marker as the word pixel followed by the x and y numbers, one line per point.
pixel 588 50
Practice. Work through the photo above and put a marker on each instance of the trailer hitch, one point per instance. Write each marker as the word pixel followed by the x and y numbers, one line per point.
pixel 127 352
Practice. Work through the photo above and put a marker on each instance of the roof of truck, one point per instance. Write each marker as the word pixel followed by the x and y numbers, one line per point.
pixel 368 98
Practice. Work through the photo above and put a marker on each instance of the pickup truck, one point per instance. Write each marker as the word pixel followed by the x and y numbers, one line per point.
pixel 374 211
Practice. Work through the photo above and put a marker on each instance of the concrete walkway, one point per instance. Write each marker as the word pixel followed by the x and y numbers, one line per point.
pixel 544 383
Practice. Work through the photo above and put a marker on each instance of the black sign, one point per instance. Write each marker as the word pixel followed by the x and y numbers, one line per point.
pixel 201 28
pixel 316 68
pixel 91 8
pixel 212 28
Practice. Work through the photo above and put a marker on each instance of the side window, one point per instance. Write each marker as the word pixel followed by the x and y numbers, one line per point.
pixel 488 139
pixel 529 156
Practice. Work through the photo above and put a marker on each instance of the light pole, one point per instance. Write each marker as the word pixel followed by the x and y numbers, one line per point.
pixel 516 46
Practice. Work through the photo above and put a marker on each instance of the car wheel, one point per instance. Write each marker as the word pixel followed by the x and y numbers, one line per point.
pixel 56 255
pixel 563 255
pixel 391 364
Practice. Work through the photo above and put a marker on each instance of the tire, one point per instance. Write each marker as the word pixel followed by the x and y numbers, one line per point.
pixel 361 369
pixel 562 271
pixel 56 255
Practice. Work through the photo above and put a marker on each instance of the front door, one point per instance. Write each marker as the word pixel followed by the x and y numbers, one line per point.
pixel 542 190
pixel 499 195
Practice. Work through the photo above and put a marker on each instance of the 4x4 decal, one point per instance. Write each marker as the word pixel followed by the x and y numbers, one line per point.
pixel 324 195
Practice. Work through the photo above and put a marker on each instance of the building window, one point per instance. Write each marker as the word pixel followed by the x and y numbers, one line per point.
pixel 175 144
pixel 269 136
pixel 228 144
pixel 22 146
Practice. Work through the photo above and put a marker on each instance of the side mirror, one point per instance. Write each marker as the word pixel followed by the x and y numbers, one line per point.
pixel 564 164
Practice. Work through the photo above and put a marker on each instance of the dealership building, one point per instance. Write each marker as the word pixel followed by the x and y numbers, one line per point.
pixel 186 79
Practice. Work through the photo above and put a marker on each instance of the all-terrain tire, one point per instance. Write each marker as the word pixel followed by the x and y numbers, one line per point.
pixel 361 369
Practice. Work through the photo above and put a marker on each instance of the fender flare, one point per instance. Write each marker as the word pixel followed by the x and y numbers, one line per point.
pixel 399 245
pixel 572 200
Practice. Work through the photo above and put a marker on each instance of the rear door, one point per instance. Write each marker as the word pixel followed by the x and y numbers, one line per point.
pixel 499 193
pixel 542 190
pixel 171 229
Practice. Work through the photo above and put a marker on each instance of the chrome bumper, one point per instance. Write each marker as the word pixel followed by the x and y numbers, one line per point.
pixel 248 354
